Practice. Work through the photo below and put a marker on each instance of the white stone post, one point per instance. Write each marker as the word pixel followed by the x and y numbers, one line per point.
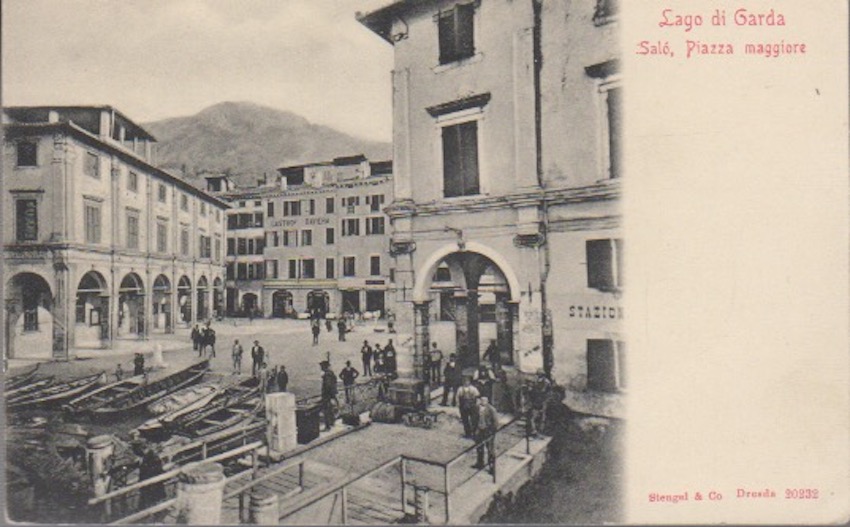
pixel 200 493
pixel 281 432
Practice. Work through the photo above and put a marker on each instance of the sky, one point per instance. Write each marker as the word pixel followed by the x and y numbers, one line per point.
pixel 153 59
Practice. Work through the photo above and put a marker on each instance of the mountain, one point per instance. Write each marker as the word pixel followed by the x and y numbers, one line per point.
pixel 247 140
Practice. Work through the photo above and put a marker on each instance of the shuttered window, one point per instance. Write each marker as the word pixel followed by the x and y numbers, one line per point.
pixel 460 160
pixel 455 28
pixel 26 215
pixel 604 264
pixel 614 104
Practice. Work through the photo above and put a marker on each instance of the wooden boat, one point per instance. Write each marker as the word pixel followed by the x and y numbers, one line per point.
pixel 16 381
pixel 232 395
pixel 56 393
pixel 32 386
pixel 188 399
pixel 147 393
pixel 104 395
pixel 223 418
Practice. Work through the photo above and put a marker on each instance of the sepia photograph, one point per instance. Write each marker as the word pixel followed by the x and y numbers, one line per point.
pixel 311 262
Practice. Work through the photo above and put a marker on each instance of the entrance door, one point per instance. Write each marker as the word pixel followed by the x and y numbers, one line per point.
pixel 318 303
pixel 350 301
pixel 375 301
pixel 281 304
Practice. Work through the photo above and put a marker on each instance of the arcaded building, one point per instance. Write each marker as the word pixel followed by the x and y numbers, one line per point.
pixel 506 139
pixel 98 243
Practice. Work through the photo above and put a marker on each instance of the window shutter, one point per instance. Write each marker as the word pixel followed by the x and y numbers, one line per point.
pixel 601 368
pixel 621 363
pixel 614 130
pixel 452 184
pixel 618 247
pixel 446 31
pixel 464 31
pixel 599 269
pixel 469 157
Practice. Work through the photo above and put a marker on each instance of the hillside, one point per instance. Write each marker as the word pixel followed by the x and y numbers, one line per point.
pixel 248 140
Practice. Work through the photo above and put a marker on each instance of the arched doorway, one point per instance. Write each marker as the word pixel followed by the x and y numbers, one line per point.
pixel 250 304
pixel 91 312
pixel 132 321
pixel 184 300
pixel 218 298
pixel 203 291
pixel 282 304
pixel 476 298
pixel 29 317
pixel 161 316
pixel 318 303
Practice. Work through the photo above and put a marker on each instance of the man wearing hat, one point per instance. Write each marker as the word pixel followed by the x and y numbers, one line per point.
pixel 488 423
pixel 329 400
pixel 452 379
pixel 540 391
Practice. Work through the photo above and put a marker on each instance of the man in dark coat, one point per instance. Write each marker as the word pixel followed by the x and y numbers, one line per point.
pixel 258 356
pixel 151 466
pixel 488 423
pixel 452 379
pixel 196 340
pixel 366 358
pixel 282 378
pixel 329 400
pixel 139 364
pixel 340 326
pixel 315 328
pixel 390 361
pixel 349 376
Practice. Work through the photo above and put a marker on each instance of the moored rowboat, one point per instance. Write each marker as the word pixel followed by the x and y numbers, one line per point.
pixel 177 404
pixel 104 394
pixel 31 387
pixel 16 381
pixel 56 393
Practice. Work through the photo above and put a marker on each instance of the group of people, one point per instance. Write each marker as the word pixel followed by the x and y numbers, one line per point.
pixel 379 361
pixel 203 338
pixel 274 380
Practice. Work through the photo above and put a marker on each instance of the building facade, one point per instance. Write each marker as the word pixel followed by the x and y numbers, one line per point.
pixel 507 181
pixel 313 242
pixel 98 243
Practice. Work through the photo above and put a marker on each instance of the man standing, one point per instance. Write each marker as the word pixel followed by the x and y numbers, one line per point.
pixel 282 378
pixel 390 361
pixel 452 376
pixel 139 364
pixel 540 392
pixel 209 340
pixel 315 327
pixel 340 326
pixel 491 354
pixel 436 363
pixel 488 422
pixel 467 397
pixel 237 357
pixel 258 356
pixel 349 376
pixel 366 356
pixel 484 380
pixel 196 340
pixel 329 400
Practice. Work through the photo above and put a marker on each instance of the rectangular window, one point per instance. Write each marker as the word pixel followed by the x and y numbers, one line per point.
pixel 241 246
pixel 133 181
pixel 330 268
pixel 161 237
pixel 203 209
pixel 217 253
pixel 258 203
pixel 91 165
pixel 455 30
pixel 163 193
pixel 329 236
pixel 231 246
pixel 290 238
pixel 306 237
pixel 291 208
pixel 205 246
pixel 184 202
pixel 26 220
pixel 270 209
pixel 293 269
pixel 27 153
pixel 604 264
pixel 271 269
pixel 349 267
pixel 132 230
pixel 229 271
pixel 375 265
pixel 184 241
pixel 258 219
pixel 241 271
pixel 329 205
pixel 376 202
pixel 351 203
pixel 460 160
pixel 374 225
pixel 606 365
pixel 311 207
pixel 351 227
pixel 308 268
pixel 615 114
pixel 92 217
pixel 233 221
pixel 241 204
pixel 259 245
pixel 217 216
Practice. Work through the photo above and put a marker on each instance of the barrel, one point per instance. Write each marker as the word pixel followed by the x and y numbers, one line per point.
pixel 385 413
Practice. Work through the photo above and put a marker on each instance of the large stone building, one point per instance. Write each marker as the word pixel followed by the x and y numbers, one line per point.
pixel 506 154
pixel 313 241
pixel 98 243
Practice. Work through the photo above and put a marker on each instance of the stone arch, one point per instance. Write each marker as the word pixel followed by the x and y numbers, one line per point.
pixel 426 271
pixel 184 299
pixel 91 310
pixel 29 315
pixel 132 319
pixel 162 294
